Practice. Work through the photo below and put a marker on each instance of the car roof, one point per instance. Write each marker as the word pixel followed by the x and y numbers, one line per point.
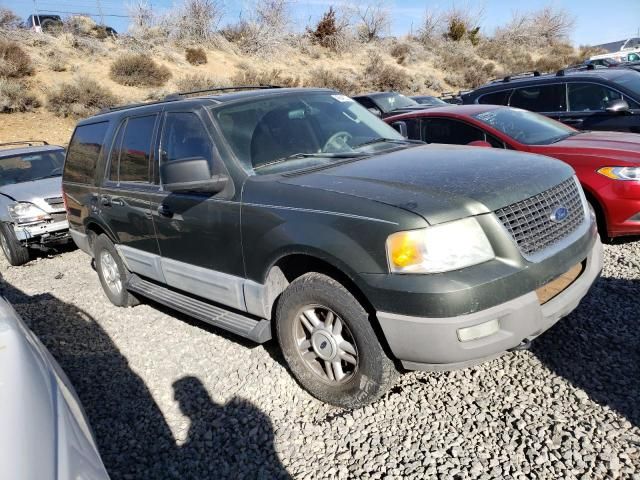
pixel 10 152
pixel 602 74
pixel 219 98
pixel 470 109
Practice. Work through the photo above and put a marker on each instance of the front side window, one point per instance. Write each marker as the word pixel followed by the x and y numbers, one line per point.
pixel 525 127
pixel 590 97
pixel 285 132
pixel 543 98
pixel 84 150
pixel 444 130
pixel 29 167
pixel 134 151
pixel 184 136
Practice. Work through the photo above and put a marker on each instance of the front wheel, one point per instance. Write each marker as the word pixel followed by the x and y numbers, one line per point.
pixel 329 343
pixel 16 253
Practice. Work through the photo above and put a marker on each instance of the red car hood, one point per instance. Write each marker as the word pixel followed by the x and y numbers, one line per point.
pixel 619 145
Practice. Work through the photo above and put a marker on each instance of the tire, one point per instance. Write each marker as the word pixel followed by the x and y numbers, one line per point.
pixel 112 272
pixel 315 299
pixel 51 27
pixel 16 253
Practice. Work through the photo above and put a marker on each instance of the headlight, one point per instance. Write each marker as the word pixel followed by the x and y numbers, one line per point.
pixel 24 212
pixel 621 173
pixel 442 248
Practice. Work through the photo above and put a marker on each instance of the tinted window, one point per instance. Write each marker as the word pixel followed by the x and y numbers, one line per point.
pixel 30 166
pixel 543 98
pixel 393 101
pixel 585 97
pixel 495 98
pixel 135 151
pixel 114 157
pixel 441 130
pixel 84 149
pixel 184 137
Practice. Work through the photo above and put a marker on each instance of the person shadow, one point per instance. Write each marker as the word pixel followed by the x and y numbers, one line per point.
pixel 234 440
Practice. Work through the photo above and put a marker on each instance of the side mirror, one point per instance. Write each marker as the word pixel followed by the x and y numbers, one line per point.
pixel 191 174
pixel 375 111
pixel 480 143
pixel 401 127
pixel 617 106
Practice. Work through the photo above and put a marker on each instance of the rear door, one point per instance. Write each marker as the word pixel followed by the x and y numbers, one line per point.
pixel 548 99
pixel 126 193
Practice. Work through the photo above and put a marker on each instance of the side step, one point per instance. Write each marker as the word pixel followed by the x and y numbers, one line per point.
pixel 258 330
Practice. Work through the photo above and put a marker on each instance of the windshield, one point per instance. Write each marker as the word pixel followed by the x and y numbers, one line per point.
pixel 631 81
pixel 393 101
pixel 289 132
pixel 524 126
pixel 429 101
pixel 30 166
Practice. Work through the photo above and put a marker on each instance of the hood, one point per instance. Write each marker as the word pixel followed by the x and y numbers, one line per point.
pixel 441 182
pixel 36 192
pixel 40 415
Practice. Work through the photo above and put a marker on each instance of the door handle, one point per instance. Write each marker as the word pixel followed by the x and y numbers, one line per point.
pixel 574 121
pixel 165 211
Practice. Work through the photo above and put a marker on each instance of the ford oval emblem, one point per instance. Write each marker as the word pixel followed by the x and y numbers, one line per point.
pixel 559 214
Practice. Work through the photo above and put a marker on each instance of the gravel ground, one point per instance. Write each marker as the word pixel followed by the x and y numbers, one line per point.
pixel 173 398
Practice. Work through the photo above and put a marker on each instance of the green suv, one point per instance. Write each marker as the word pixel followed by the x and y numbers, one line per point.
pixel 297 214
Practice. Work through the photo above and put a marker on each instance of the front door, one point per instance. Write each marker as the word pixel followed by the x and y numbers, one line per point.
pixel 198 233
pixel 125 196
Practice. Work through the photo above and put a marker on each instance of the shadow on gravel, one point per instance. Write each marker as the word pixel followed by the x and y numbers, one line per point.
pixel 234 440
pixel 597 347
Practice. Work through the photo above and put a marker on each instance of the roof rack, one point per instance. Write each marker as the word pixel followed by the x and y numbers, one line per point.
pixel 508 78
pixel 573 68
pixel 172 97
pixel 28 143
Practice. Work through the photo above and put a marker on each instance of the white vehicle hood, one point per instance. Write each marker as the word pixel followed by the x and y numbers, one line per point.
pixel 35 192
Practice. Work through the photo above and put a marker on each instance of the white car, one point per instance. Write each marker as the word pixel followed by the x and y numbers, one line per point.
pixel 629 52
pixel 44 433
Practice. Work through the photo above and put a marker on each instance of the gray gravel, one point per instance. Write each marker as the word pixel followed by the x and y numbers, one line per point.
pixel 169 397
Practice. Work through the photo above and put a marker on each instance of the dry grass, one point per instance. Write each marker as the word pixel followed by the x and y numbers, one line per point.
pixel 195 56
pixel 323 78
pixel 138 70
pixel 274 76
pixel 198 81
pixel 15 96
pixel 379 75
pixel 82 98
pixel 14 61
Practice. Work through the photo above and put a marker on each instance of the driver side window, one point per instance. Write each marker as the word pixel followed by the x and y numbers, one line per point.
pixel 590 97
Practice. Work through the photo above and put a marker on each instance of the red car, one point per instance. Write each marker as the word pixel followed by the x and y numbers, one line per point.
pixel 607 163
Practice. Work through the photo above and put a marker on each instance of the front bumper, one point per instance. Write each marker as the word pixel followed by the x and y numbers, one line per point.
pixel 423 343
pixel 43 233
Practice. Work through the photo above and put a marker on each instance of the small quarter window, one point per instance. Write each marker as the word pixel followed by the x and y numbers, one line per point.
pixel 495 98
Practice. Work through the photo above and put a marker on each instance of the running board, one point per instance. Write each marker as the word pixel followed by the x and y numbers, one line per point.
pixel 258 330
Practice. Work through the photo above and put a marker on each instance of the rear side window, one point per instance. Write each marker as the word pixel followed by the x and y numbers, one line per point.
pixel 83 153
pixel 131 153
pixel 543 98
pixel 495 98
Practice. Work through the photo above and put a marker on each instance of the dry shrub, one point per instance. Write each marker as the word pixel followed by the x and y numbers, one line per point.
pixel 56 61
pixel 401 52
pixel 138 70
pixel 196 56
pixel 16 97
pixel 379 75
pixel 251 77
pixel 8 19
pixel 197 19
pixel 14 61
pixel 586 51
pixel 373 20
pixel 82 98
pixel 199 82
pixel 329 32
pixel 84 26
pixel 540 28
pixel 324 78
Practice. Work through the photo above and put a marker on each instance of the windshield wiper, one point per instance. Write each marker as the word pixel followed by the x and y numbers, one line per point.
pixel 312 155
pixel 386 140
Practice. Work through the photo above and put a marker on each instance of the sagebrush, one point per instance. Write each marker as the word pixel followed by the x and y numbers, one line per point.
pixel 15 96
pixel 138 70
pixel 14 61
pixel 81 98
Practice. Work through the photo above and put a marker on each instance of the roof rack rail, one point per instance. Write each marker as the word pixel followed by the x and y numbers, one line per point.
pixel 508 78
pixel 28 143
pixel 179 95
pixel 572 68
pixel 172 97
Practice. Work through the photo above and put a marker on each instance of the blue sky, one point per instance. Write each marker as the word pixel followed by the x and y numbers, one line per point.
pixel 593 25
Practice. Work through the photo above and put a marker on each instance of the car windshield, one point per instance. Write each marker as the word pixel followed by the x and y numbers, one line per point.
pixel 631 81
pixel 28 167
pixel 393 101
pixel 429 101
pixel 302 130
pixel 525 127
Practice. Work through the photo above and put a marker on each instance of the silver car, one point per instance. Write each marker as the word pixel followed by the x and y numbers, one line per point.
pixel 44 433
pixel 32 213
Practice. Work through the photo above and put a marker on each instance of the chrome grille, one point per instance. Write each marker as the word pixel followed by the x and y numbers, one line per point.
pixel 55 202
pixel 530 221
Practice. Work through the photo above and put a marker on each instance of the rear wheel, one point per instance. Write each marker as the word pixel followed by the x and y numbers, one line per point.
pixel 112 272
pixel 329 343
pixel 16 253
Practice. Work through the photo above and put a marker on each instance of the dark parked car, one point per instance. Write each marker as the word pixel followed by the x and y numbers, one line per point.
pixel 428 100
pixel 296 213
pixel 385 104
pixel 43 22
pixel 606 163
pixel 602 99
